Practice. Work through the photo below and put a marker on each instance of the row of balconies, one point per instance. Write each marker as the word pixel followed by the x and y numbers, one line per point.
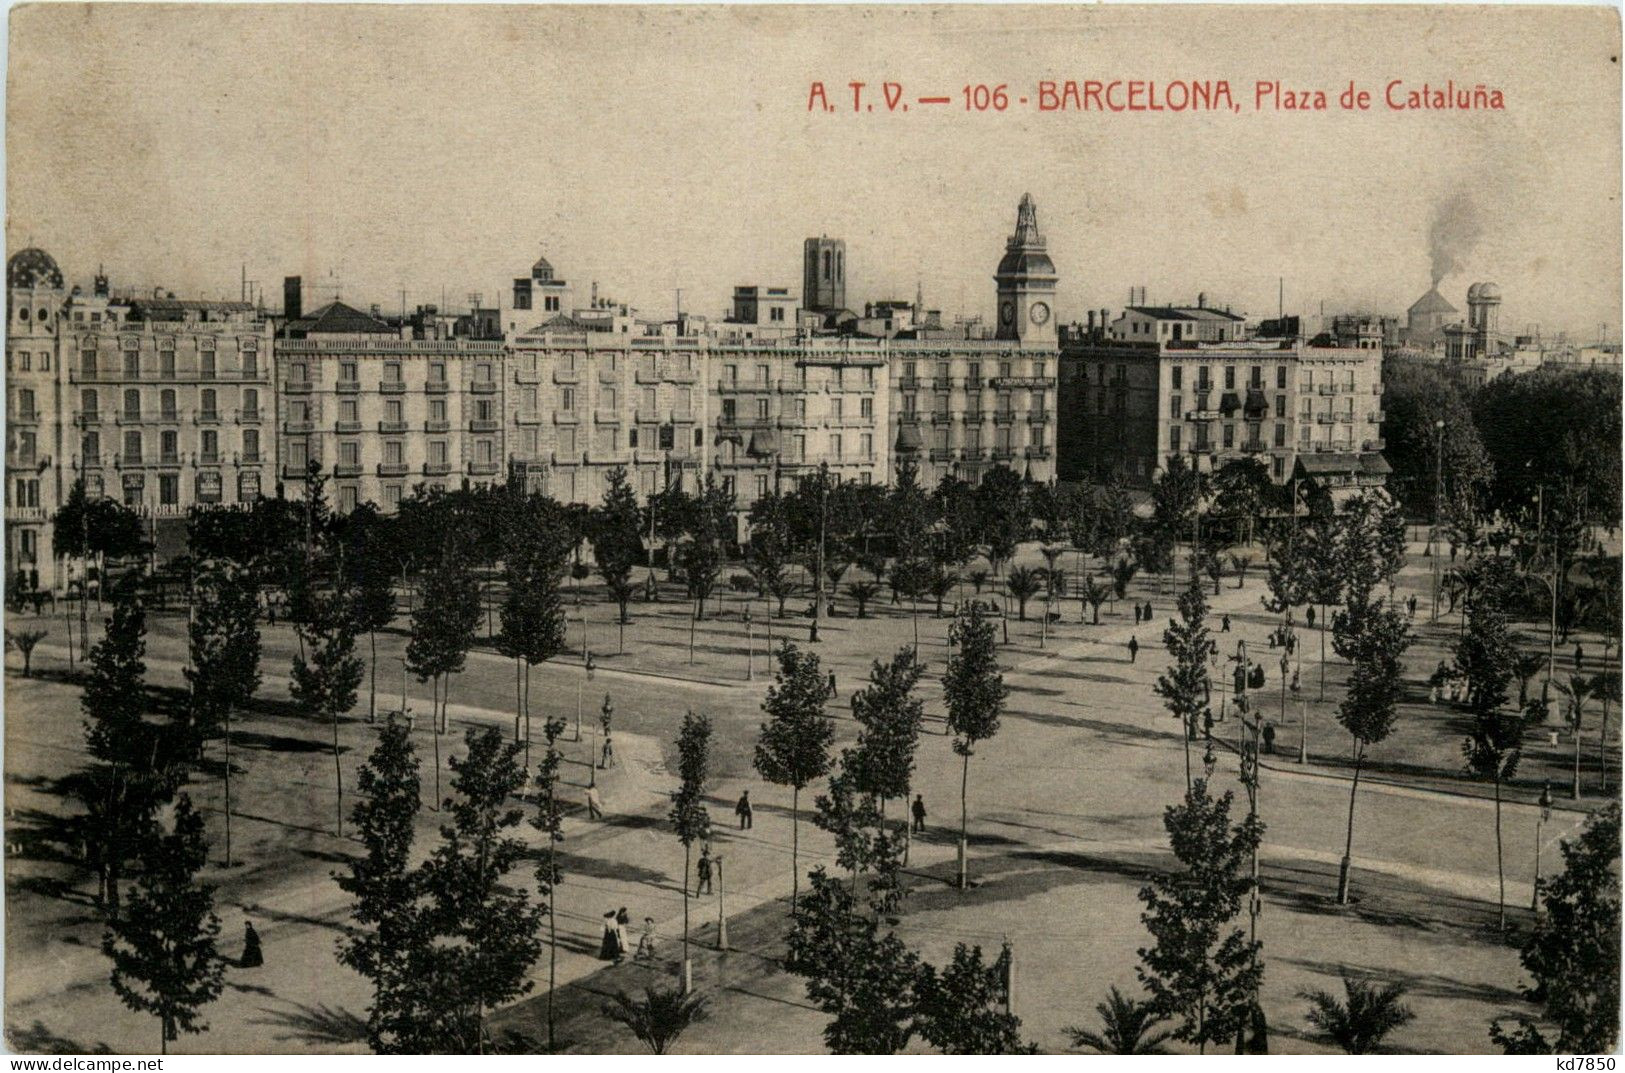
pixel 396 469
pixel 390 428
pixel 80 375
pixel 132 460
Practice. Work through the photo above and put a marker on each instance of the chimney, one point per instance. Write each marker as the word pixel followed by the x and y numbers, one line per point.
pixel 292 297
pixel 1201 300
pixel 1091 322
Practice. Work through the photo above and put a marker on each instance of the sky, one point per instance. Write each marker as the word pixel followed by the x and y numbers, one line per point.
pixel 440 150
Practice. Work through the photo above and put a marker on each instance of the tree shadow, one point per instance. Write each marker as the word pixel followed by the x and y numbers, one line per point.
pixel 575 865
pixel 1427 984
pixel 37 1039
pixel 320 1023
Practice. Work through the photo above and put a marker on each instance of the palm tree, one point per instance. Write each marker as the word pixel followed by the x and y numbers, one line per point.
pixel 863 592
pixel 1024 583
pixel 659 1017
pixel 940 584
pixel 1358 1024
pixel 1127 1026
pixel 978 578
pixel 1605 686
pixel 1525 665
pixel 1239 564
pixel 24 642
pixel 1579 691
pixel 1095 594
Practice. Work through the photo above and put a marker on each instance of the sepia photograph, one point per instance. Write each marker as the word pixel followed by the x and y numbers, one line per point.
pixel 1129 496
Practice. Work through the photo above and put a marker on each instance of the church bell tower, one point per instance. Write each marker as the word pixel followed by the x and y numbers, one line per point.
pixel 1026 282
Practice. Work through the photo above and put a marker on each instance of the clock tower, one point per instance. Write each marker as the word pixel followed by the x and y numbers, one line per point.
pixel 1026 281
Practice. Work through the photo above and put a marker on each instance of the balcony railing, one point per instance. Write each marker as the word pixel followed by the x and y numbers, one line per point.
pixel 206 417
pixel 347 469
pixel 392 469
pixel 347 426
pixel 245 417
pixel 299 387
pixel 298 426
pixel 477 425
pixel 348 387
pixel 483 387
pixel 436 469
pixel 1038 453
pixel 436 387
pixel 437 426
pixel 482 469
pixel 392 428
pixel 392 387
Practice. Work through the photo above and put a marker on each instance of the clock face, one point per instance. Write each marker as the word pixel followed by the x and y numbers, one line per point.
pixel 1039 312
pixel 1007 312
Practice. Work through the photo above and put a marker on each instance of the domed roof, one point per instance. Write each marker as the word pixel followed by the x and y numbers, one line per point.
pixel 1483 292
pixel 1026 262
pixel 541 271
pixel 33 267
pixel 1432 302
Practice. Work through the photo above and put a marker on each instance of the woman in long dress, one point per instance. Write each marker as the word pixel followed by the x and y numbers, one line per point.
pixel 610 949
pixel 623 920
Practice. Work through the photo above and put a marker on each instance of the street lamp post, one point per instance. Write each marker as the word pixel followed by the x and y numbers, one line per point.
pixel 722 918
pixel 750 648
pixel 1545 817
pixel 586 676
pixel 1250 768
pixel 1438 498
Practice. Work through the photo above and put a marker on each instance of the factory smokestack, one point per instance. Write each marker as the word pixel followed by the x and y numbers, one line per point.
pixel 1455 231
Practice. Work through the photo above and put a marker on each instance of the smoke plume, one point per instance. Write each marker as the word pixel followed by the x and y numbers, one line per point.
pixel 1456 229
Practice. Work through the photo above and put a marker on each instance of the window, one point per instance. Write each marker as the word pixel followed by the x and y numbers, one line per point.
pixel 567 398
pixel 607 399
pixel 699 437
pixel 908 404
pixel 1278 466
pixel 1229 434
pixel 1202 381
pixel 251 402
pixel 730 374
pixel 799 408
pixel 205 364
pixel 392 372
pixel 1178 375
pixel 348 414
pixel 761 408
pixel 90 447
pixel 347 372
pixel 251 445
pixel 25 404
pixel 1280 377
pixel 394 452
pixel 251 367
pixel 800 452
pixel 27 492
pixel 1229 377
pixel 437 409
pixel 482 372
pixel 169 446
pixel 866 407
pixel 648 398
pixel 298 373
pixel 1173 437
pixel 208 404
pixel 437 452
pixel 685 400
pixel 866 445
pixel 87 362
pixel 132 447
pixel 392 410
pixel 1257 374
pixel 942 405
pixel 1176 406
pixel 166 404
pixel 761 485
pixel 166 364
pixel 1280 434
pixel 837 409
pixel 528 399
pixel 1308 409
pixel 26 447
pixel 728 409
pixel 347 498
pixel 1303 435
pixel 210 445
pixel 132 363
pixel 392 496
pixel 132 405
pixel 1280 407
pixel 835 446
pixel 437 372
pixel 298 455
pixel 349 453
pixel 169 489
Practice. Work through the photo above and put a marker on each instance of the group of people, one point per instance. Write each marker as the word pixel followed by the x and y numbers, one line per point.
pixel 1143 612
pixel 614 945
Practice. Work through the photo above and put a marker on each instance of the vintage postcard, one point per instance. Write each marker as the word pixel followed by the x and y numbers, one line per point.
pixel 1128 496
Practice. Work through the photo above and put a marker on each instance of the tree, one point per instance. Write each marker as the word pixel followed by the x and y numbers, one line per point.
pixel 939 583
pixel 862 592
pixel 659 1017
pixel 959 1007
pixel 1358 1022
pixel 1573 953
pixel 617 539
pixel 484 932
pixel 384 889
pixel 369 560
pixel 1024 583
pixel 1369 708
pixel 1485 656
pixel 550 821
pixel 889 715
pixel 1580 690
pixel 1184 688
pixel 862 979
pixel 1415 399
pixel 163 947
pixel 1197 970
pixel 326 672
pixel 1095 594
pixel 1127 1026
pixel 532 612
pixel 129 774
pixel 443 628
pixel 793 748
pixel 24 642
pixel 975 693
pixel 1242 489
pixel 688 815
pixel 224 637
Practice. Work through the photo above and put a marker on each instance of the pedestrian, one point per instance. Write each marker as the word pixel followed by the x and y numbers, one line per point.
pixel 253 957
pixel 1269 737
pixel 1412 603
pixel 1149 614
pixel 831 690
pixel 610 948
pixel 270 612
pixel 1133 649
pixel 703 870
pixel 1138 611
pixel 595 807
pixel 1309 616
pixel 646 941
pixel 1291 643
pixel 1294 686
pixel 1275 635
pixel 1433 693
pixel 742 810
pixel 1579 654
pixel 919 813
pixel 606 758
pixel 1224 627
pixel 623 920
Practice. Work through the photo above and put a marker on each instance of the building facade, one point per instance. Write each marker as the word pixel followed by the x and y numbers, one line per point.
pixel 36 417
pixel 1126 408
